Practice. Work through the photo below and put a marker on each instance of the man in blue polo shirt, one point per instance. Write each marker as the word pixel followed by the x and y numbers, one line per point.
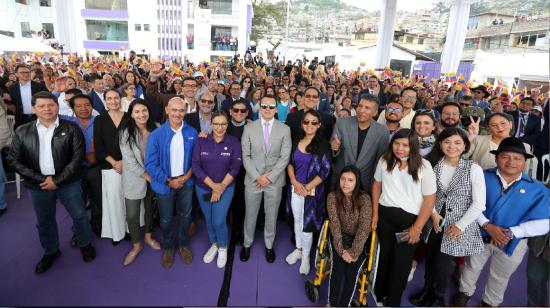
pixel 168 161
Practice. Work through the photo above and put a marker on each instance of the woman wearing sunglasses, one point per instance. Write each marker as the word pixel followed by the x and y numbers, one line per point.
pixel 308 169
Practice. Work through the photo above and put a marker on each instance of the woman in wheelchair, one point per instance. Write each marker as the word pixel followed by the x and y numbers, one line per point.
pixel 350 214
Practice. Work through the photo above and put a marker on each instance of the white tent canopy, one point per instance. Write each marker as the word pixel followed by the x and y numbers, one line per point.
pixel 23 44
pixel 507 66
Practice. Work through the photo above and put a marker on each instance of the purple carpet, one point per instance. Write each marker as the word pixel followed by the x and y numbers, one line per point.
pixel 105 281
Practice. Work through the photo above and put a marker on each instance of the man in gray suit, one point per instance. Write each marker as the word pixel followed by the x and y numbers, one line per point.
pixel 359 141
pixel 266 148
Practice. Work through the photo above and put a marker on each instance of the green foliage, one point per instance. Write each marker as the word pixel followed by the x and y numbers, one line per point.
pixel 265 12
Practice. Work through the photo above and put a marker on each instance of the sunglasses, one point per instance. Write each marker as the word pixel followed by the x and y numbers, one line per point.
pixel 307 122
pixel 311 96
pixel 394 110
pixel 207 101
pixel 239 110
pixel 270 107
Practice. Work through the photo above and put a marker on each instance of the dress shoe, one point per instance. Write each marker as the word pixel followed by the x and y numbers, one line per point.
pixel 168 258
pixel 131 256
pixel 88 253
pixel 127 237
pixel 115 243
pixel 438 301
pixel 269 255
pixel 186 255
pixel 484 304
pixel 460 299
pixel 423 297
pixel 46 262
pixel 2 211
pixel 245 253
pixel 191 229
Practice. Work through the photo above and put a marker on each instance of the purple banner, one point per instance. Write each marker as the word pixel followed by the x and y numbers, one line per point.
pixel 249 15
pixel 106 45
pixel 111 14
pixel 433 70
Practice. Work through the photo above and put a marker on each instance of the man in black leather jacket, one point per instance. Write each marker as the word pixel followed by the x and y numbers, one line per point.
pixel 48 153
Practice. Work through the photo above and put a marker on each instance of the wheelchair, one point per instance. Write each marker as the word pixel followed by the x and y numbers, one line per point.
pixel 323 261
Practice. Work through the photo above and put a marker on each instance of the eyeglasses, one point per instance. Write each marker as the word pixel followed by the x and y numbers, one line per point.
pixel 271 107
pixel 24 72
pixel 464 104
pixel 239 110
pixel 189 85
pixel 394 110
pixel 311 96
pixel 307 122
pixel 455 114
pixel 207 101
pixel 411 97
pixel 219 124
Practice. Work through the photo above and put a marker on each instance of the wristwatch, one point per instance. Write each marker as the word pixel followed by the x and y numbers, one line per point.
pixel 509 233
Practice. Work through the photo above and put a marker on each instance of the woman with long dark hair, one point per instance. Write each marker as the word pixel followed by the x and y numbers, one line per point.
pixel 247 84
pixel 109 158
pixel 254 97
pixel 453 230
pixel 350 214
pixel 135 180
pixel 403 196
pixel 308 169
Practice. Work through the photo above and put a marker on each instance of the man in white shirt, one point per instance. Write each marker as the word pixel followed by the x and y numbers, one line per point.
pixel 516 209
pixel 48 154
pixel 21 94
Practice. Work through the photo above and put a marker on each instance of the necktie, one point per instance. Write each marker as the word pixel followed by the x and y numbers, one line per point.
pixel 521 126
pixel 266 136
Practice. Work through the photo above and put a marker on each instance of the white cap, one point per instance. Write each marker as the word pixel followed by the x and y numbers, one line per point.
pixel 198 74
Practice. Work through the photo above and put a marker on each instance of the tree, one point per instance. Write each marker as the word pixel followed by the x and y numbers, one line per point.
pixel 267 15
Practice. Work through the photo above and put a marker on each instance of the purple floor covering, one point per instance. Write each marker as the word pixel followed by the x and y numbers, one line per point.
pixel 105 281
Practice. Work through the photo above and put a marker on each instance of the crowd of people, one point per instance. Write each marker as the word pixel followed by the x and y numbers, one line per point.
pixel 445 173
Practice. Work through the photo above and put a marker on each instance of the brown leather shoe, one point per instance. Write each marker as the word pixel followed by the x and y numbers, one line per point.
pixel 186 255
pixel 168 258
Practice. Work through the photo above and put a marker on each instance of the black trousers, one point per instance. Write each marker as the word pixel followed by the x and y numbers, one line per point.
pixel 395 258
pixel 238 206
pixel 343 280
pixel 438 264
pixel 91 190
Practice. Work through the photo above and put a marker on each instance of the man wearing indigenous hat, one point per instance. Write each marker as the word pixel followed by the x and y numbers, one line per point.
pixel 517 208
pixel 480 95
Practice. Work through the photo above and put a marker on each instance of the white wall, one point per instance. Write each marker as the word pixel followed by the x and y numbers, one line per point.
pixel 143 12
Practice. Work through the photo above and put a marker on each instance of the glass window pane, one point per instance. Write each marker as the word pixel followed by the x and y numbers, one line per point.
pixel 103 30
pixel 107 4
pixel 138 27
pixel 220 6
pixel 146 27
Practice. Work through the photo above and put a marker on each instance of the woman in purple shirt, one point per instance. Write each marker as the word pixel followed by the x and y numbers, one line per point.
pixel 309 167
pixel 216 163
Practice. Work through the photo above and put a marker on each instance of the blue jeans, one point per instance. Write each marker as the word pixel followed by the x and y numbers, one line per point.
pixel 537 280
pixel 43 202
pixel 215 215
pixel 3 204
pixel 182 198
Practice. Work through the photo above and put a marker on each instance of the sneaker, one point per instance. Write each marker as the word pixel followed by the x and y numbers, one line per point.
pixel 304 266
pixel 294 256
pixel 411 274
pixel 210 254
pixel 222 257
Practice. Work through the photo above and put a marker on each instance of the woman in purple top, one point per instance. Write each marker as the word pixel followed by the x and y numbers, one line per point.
pixel 309 167
pixel 216 163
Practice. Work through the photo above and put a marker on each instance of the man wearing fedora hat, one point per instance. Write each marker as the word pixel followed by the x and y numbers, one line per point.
pixel 480 95
pixel 517 208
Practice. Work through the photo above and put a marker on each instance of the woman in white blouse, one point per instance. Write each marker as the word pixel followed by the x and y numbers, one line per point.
pixel 403 196
pixel 453 230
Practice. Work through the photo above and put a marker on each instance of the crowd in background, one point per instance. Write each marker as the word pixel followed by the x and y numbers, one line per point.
pixel 447 172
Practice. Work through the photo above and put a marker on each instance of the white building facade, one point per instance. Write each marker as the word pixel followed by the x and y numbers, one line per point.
pixel 157 28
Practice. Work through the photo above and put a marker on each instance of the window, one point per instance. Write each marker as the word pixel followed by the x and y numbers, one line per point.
pixel 111 5
pixel 7 33
pixel 421 41
pixel 48 28
pixel 410 39
pixel 220 6
pixel 25 29
pixel 138 27
pixel 103 30
pixel 47 3
pixel 146 27
pixel 24 2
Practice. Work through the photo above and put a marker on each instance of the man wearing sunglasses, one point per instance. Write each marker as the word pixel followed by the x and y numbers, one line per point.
pixel 201 120
pixel 311 100
pixel 266 147
pixel 393 114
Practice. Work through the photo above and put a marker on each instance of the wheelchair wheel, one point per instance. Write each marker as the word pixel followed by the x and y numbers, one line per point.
pixel 312 292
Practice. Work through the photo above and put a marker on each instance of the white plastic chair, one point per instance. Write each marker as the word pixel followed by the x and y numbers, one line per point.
pixel 11 125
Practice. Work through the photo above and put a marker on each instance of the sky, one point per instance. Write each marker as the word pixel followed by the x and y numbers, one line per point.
pixel 406 5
